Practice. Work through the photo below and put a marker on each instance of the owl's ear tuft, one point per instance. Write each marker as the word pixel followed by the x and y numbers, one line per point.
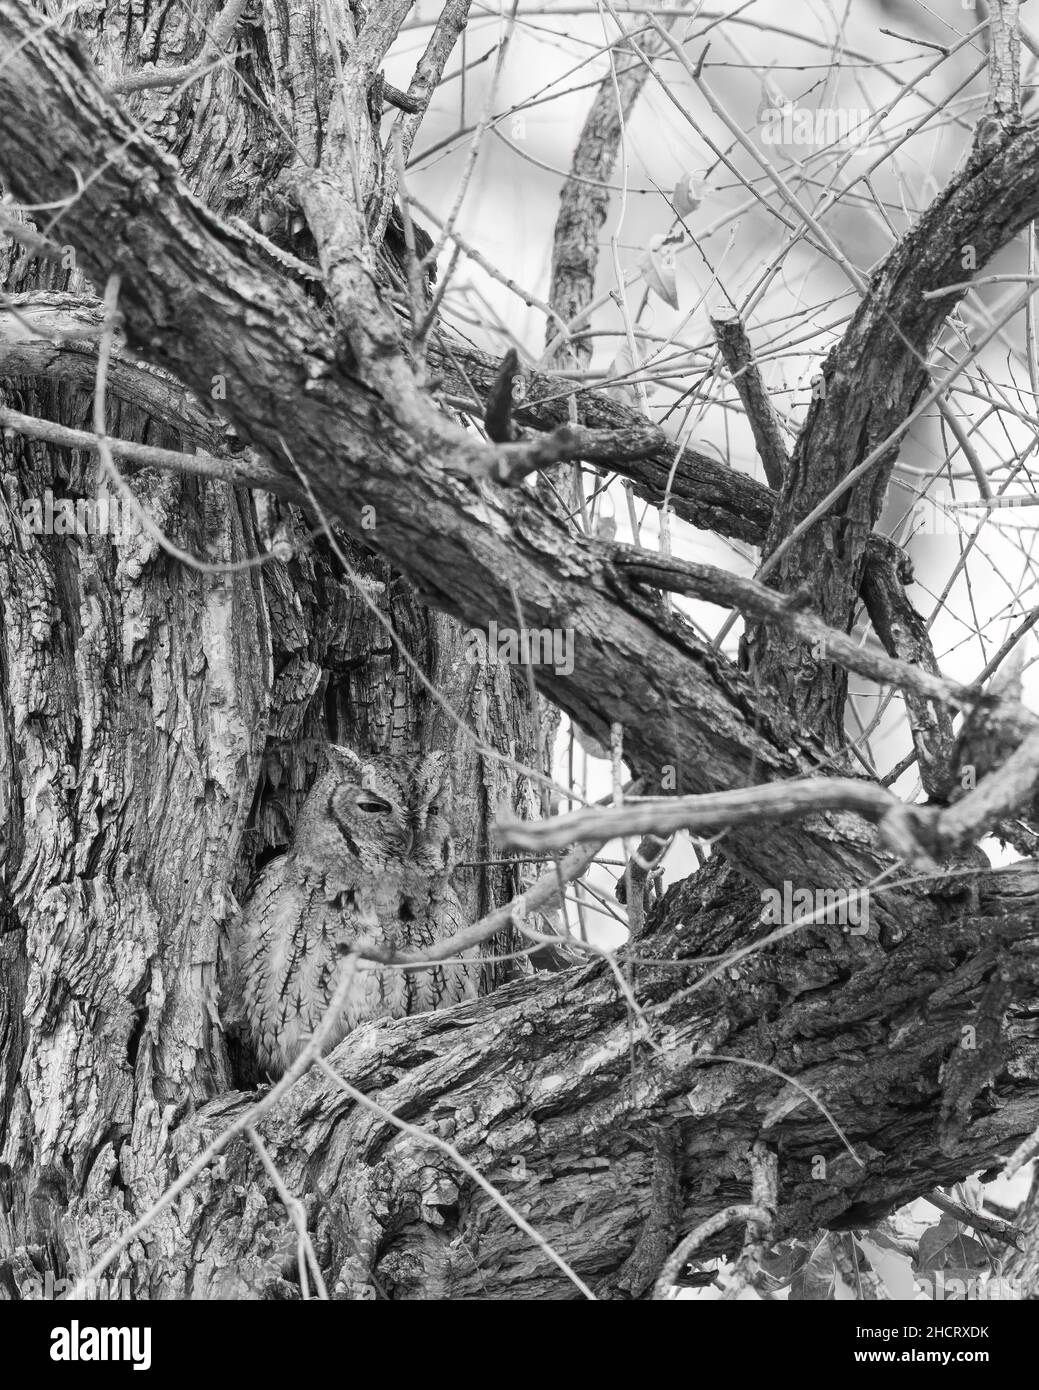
pixel 346 759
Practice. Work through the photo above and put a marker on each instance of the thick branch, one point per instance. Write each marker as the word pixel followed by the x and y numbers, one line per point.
pixel 584 199
pixel 746 377
pixel 872 381
pixel 197 300
pixel 1004 104
pixel 790 614
pixel 922 831
pixel 905 635
pixel 545 1069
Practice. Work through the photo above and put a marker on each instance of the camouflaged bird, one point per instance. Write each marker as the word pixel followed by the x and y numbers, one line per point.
pixel 370 862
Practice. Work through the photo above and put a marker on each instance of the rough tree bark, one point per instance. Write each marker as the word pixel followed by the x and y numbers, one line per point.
pixel 159 725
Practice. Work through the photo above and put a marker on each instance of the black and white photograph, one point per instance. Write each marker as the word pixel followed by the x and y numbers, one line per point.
pixel 519 667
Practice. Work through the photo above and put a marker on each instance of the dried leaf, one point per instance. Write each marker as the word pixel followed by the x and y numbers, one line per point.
pixel 589 743
pixel 946 1244
pixel 688 194
pixel 657 264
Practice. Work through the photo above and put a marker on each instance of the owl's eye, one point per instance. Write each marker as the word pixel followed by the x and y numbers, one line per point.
pixel 372 804
pixel 433 809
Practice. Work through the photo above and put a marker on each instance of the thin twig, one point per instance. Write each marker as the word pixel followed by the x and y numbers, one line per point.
pixel 305 1252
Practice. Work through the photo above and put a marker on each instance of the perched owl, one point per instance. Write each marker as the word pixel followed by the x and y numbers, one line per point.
pixel 370 861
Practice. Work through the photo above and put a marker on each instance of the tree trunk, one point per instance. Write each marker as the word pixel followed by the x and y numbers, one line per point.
pixel 161 725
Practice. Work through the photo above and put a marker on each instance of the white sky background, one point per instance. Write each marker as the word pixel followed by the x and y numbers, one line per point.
pixel 798 301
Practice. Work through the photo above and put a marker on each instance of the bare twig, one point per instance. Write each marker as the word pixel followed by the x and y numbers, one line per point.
pixel 776 801
pixel 764 1173
pixel 757 600
pixel 306 1256
pixel 714 1225
pixel 249 472
pixel 1002 1231
pixel 212 55
pixel 544 896
pixel 746 377
pixel 925 830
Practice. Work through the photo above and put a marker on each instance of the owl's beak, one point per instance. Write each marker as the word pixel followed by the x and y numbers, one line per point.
pixel 410 840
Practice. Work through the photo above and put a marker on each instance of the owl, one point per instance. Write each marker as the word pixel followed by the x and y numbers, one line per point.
pixel 370 862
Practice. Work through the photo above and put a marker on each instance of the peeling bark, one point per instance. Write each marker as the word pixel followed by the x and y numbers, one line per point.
pixel 160 727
